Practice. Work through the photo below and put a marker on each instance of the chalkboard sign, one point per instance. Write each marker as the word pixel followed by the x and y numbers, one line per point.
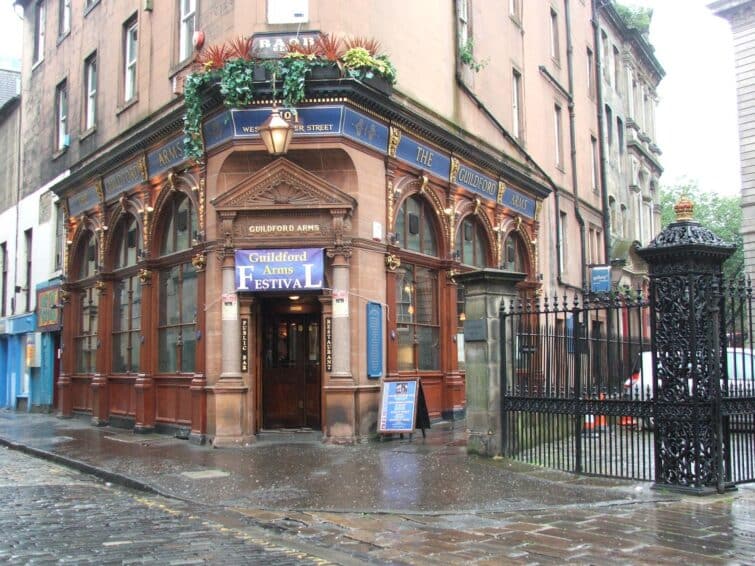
pixel 398 406
pixel 374 340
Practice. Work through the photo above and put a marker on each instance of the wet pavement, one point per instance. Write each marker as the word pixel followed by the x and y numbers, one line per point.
pixel 400 501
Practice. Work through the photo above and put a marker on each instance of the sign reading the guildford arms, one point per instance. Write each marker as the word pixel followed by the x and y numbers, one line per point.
pixel 283 270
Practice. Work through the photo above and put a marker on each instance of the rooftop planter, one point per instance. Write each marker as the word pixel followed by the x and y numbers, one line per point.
pixel 235 70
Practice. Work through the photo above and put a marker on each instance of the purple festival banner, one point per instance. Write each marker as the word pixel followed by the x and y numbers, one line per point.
pixel 299 269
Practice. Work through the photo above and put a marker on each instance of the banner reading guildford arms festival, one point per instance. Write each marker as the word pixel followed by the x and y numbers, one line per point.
pixel 283 270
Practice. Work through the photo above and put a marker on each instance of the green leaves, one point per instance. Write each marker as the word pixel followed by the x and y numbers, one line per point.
pixel 721 214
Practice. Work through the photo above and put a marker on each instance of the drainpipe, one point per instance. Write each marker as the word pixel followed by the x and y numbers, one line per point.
pixel 573 140
pixel 597 5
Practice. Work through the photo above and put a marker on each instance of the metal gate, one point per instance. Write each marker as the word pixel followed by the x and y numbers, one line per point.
pixel 578 391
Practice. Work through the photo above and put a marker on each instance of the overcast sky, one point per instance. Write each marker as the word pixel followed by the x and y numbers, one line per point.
pixel 696 117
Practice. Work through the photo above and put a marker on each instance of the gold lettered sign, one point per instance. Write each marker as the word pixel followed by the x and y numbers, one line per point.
pixel 244 344
pixel 328 344
pixel 48 309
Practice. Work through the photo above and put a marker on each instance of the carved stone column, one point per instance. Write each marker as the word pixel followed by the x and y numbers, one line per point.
pixel 230 391
pixel 341 317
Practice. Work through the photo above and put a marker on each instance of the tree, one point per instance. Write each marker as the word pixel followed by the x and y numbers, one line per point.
pixel 720 214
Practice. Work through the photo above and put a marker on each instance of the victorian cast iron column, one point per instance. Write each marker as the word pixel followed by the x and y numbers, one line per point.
pixel 685 263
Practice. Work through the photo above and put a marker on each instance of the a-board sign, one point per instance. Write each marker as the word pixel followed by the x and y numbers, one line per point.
pixel 398 406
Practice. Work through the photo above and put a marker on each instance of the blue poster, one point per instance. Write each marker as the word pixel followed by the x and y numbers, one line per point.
pixel 398 406
pixel 299 269
pixel 600 279
pixel 374 340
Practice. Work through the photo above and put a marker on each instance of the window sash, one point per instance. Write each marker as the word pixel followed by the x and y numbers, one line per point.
pixel 64 17
pixel 39 31
pixel 187 27
pixel 86 339
pixel 91 93
pixel 130 58
pixel 62 112
pixel 516 101
pixel 177 320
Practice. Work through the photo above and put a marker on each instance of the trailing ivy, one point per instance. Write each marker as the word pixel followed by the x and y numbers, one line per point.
pixel 193 144
pixel 236 83
pixel 235 76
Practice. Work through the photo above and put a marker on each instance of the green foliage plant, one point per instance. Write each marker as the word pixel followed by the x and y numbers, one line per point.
pixel 635 17
pixel 721 214
pixel 466 56
pixel 231 67
pixel 360 65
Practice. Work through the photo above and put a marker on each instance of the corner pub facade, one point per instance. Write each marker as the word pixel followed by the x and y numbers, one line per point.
pixel 252 292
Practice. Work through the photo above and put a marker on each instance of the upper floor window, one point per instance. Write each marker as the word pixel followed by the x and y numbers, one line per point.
pixel 555 45
pixel 90 89
pixel 64 17
pixel 39 31
pixel 516 103
pixel 89 4
pixel 187 23
pixel 616 69
pixel 515 9
pixel 590 73
pixel 130 52
pixel 414 228
pixel 471 243
pixel 62 139
pixel 462 7
pixel 605 53
pixel 559 135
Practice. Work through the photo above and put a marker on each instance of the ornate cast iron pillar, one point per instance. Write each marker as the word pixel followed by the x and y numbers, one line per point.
pixel 685 264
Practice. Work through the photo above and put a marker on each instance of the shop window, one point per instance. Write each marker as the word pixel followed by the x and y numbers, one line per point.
pixel 127 298
pixel 178 318
pixel 86 338
pixel 417 327
pixel 471 243
pixel 177 321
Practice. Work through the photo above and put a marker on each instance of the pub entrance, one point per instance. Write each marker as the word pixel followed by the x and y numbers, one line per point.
pixel 291 363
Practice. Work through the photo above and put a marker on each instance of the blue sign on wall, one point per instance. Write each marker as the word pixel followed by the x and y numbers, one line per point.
pixel 477 182
pixel 600 279
pixel 320 121
pixel 374 340
pixel 83 200
pixel 398 406
pixel 166 156
pixel 124 178
pixel 365 130
pixel 424 157
pixel 517 201
pixel 218 129
pixel 298 269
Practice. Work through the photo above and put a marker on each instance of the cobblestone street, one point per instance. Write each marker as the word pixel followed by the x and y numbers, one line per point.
pixel 49 514
pixel 228 506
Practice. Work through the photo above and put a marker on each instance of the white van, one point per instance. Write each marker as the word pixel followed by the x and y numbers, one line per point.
pixel 740 364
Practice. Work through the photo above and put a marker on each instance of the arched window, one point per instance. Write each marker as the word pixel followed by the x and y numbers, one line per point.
pixel 127 300
pixel 85 340
pixel 417 320
pixel 471 243
pixel 177 317
pixel 514 254
pixel 414 228
pixel 181 221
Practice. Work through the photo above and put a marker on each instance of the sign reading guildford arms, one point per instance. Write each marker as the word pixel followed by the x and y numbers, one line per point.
pixel 298 269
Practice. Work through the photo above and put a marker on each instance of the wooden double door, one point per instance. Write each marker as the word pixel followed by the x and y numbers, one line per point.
pixel 291 370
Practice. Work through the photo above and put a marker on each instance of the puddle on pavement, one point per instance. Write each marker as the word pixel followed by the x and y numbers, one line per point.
pixel 205 474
